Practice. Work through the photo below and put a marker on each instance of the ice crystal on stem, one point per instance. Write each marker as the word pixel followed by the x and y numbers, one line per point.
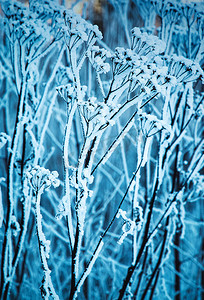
pixel 41 179
pixel 129 226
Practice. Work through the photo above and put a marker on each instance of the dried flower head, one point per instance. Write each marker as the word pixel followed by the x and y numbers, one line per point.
pixel 41 178
pixel 97 57
pixel 145 44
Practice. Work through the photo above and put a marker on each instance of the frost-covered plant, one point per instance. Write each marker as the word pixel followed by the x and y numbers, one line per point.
pixel 123 128
pixel 42 179
pixel 97 58
pixel 28 34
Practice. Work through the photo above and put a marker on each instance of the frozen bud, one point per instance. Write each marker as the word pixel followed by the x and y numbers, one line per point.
pixel 61 211
pixel 55 174
pixel 54 179
pixel 97 32
pixel 136 31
